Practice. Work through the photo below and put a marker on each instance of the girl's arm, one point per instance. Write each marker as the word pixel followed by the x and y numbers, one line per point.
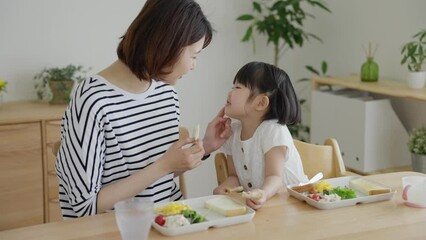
pixel 232 180
pixel 274 169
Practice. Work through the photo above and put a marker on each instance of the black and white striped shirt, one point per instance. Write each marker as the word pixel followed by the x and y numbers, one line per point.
pixel 107 134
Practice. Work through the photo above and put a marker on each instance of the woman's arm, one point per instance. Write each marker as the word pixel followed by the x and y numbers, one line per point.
pixel 176 159
pixel 274 169
pixel 218 130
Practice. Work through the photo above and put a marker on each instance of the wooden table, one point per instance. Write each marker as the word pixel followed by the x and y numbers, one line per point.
pixel 283 217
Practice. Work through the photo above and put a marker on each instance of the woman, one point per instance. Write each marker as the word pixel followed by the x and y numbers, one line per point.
pixel 120 131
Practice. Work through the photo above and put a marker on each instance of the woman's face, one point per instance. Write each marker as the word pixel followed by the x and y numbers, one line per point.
pixel 236 104
pixel 187 61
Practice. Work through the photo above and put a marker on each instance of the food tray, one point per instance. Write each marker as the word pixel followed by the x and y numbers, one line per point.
pixel 342 182
pixel 213 219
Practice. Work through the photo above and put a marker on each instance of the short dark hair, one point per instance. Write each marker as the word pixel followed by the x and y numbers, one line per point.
pixel 157 36
pixel 264 78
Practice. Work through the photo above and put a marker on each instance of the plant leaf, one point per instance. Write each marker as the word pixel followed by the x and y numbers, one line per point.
pixel 248 34
pixel 245 17
pixel 319 4
pixel 257 7
pixel 312 70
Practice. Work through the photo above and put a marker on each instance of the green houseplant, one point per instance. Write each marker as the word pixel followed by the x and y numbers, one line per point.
pixel 417 148
pixel 60 82
pixel 414 55
pixel 282 23
pixel 300 131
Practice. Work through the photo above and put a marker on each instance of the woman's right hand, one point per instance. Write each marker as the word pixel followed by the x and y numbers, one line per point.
pixel 180 158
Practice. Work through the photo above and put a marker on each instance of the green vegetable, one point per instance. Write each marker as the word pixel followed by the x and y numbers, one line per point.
pixel 193 216
pixel 344 193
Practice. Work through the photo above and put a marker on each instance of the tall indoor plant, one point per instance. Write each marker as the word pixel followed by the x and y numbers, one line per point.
pixel 414 55
pixel 60 82
pixel 417 148
pixel 282 22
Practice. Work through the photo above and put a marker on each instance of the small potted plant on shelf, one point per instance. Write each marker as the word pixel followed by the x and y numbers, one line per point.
pixel 60 82
pixel 417 147
pixel 2 89
pixel 414 55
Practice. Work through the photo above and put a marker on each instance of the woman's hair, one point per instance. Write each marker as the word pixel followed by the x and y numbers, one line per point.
pixel 156 38
pixel 263 78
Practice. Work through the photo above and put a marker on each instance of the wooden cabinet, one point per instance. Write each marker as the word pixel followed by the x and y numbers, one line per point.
pixel 28 182
pixel 21 178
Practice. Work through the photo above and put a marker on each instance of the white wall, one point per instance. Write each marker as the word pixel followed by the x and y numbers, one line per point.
pixel 35 34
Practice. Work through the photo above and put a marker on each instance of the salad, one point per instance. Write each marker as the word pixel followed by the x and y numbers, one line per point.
pixel 177 214
pixel 325 192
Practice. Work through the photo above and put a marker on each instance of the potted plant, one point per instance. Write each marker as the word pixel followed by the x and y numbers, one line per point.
pixel 300 131
pixel 282 23
pixel 60 82
pixel 417 147
pixel 2 89
pixel 414 55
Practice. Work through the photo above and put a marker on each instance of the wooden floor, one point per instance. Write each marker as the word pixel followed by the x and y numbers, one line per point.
pixel 389 170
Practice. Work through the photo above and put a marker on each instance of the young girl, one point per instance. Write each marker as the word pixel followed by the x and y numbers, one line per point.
pixel 261 155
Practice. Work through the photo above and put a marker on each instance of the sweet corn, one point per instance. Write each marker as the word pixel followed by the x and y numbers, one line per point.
pixel 172 208
pixel 322 185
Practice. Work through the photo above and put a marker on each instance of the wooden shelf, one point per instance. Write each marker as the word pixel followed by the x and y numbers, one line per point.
pixel 29 111
pixel 384 87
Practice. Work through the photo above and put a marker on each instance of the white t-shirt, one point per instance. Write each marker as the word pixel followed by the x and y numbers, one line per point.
pixel 248 155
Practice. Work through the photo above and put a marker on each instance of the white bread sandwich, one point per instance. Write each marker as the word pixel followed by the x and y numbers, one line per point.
pixel 367 187
pixel 225 206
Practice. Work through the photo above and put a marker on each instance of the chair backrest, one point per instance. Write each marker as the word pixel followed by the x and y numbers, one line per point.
pixel 183 133
pixel 321 158
pixel 315 158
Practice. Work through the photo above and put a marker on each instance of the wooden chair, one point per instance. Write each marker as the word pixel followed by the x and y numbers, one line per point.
pixel 315 158
pixel 183 133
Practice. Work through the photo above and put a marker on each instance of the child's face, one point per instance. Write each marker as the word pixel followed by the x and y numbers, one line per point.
pixel 187 61
pixel 236 104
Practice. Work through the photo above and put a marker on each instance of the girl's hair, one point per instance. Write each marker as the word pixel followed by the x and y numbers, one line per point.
pixel 263 78
pixel 156 38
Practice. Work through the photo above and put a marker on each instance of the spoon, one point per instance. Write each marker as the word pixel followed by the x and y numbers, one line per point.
pixel 315 178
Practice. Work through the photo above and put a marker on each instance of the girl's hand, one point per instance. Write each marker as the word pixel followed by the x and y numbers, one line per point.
pixel 179 158
pixel 219 191
pixel 257 203
pixel 218 130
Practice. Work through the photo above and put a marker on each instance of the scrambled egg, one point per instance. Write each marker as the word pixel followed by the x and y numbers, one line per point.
pixel 322 185
pixel 172 208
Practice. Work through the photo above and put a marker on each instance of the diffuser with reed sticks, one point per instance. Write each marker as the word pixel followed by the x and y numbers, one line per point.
pixel 370 69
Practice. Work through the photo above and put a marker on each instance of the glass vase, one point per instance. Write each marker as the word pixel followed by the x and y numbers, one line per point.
pixel 370 71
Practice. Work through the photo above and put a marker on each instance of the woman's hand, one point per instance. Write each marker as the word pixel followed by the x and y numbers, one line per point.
pixel 179 158
pixel 218 130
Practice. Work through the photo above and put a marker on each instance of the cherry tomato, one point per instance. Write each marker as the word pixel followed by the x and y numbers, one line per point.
pixel 315 196
pixel 160 220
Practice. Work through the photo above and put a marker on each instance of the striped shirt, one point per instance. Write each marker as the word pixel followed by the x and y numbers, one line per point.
pixel 107 134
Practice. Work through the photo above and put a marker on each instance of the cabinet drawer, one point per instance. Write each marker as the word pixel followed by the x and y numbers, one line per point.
pixel 21 178
pixel 53 131
pixel 54 211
